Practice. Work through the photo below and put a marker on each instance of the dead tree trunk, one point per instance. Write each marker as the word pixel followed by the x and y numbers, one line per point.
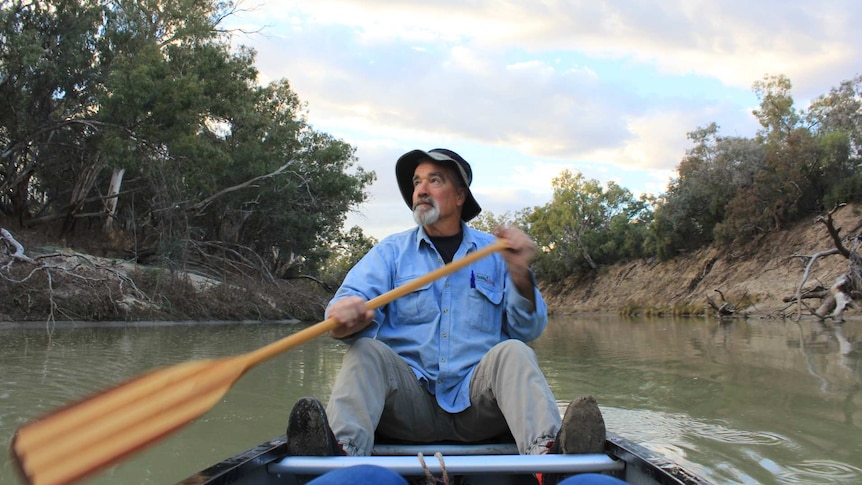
pixel 113 195
pixel 846 286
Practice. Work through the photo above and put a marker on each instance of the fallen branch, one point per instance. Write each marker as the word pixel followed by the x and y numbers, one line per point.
pixel 62 268
pixel 811 260
pixel 842 291
pixel 726 308
pixel 18 254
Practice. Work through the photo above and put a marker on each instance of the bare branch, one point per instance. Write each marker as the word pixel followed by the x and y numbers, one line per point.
pixel 833 231
pixel 811 260
pixel 200 206
pixel 18 254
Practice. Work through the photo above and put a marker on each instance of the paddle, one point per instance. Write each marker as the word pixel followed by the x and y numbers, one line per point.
pixel 77 440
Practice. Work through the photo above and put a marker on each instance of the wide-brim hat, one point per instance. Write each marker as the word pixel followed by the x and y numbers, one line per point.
pixel 406 166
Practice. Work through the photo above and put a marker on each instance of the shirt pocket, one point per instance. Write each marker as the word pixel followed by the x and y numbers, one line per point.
pixel 419 306
pixel 485 307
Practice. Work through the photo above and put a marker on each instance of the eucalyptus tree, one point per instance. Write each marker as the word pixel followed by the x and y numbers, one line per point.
pixel 708 178
pixel 488 221
pixel 49 69
pixel 809 159
pixel 776 113
pixel 215 164
pixel 836 118
pixel 345 252
pixel 586 225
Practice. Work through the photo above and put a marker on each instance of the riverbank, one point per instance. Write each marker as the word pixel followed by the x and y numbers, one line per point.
pixel 82 281
pixel 754 278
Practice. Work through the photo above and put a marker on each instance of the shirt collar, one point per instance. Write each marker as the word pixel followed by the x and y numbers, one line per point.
pixel 469 237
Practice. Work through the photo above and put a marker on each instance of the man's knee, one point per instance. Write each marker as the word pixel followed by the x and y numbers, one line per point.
pixel 512 350
pixel 366 352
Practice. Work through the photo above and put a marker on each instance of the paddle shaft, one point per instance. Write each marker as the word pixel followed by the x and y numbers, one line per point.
pixel 275 348
pixel 75 441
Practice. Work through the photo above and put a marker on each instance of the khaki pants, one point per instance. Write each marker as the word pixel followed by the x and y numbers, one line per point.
pixel 377 390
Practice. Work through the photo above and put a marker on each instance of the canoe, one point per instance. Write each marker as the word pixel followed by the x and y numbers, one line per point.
pixel 266 464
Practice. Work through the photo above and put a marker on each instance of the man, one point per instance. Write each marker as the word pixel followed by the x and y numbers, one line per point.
pixel 449 361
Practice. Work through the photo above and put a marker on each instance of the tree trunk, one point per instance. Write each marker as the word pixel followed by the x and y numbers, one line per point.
pixel 111 201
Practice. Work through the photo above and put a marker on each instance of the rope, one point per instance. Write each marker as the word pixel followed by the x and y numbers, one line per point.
pixel 431 479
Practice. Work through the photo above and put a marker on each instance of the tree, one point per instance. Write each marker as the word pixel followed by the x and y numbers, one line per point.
pixel 488 222
pixel 776 113
pixel 836 118
pixel 216 167
pixel 708 178
pixel 48 70
pixel 804 165
pixel 585 225
pixel 345 253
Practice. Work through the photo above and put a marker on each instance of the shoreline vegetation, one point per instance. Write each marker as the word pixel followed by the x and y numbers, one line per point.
pixel 49 285
pixel 157 142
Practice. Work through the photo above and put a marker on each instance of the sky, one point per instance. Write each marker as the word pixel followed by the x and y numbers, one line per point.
pixel 526 89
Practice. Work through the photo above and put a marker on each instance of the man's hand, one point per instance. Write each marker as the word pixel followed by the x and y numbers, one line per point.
pixel 521 251
pixel 350 314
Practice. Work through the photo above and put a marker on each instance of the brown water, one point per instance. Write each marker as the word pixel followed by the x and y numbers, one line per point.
pixel 758 401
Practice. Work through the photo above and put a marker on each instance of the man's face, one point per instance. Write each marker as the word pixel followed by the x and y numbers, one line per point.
pixel 436 194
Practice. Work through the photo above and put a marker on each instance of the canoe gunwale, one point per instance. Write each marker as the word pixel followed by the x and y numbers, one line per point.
pixel 633 461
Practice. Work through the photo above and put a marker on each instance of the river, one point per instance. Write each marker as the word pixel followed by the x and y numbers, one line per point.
pixel 745 401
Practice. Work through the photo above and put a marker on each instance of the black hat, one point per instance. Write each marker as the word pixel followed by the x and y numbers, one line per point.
pixel 406 166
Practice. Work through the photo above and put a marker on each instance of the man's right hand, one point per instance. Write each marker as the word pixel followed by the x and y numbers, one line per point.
pixel 350 314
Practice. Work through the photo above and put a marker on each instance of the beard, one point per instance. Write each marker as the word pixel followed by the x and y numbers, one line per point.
pixel 426 211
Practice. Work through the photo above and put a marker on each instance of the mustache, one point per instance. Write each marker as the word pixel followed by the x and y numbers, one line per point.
pixel 424 200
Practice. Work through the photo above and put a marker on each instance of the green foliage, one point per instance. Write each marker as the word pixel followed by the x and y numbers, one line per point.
pixel 731 189
pixel 782 189
pixel 154 87
pixel 776 112
pixel 488 222
pixel 696 200
pixel 586 225
pixel 345 252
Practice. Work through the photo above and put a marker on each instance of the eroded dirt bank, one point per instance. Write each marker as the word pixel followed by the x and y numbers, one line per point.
pixel 762 272
pixel 755 276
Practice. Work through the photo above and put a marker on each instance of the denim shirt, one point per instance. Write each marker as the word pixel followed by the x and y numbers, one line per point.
pixel 443 329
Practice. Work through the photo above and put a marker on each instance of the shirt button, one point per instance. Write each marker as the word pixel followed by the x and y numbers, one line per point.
pixel 443 359
pixel 445 310
pixel 445 335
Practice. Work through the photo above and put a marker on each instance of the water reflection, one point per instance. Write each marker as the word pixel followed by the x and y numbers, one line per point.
pixel 739 401
pixel 758 401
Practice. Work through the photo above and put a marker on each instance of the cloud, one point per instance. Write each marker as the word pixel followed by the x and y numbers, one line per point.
pixel 528 89
pixel 733 41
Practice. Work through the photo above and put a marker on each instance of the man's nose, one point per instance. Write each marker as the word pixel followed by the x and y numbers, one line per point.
pixel 420 189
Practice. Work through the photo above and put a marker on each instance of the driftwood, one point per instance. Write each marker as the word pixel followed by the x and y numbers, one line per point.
pixel 725 309
pixel 76 266
pixel 846 288
pixel 18 249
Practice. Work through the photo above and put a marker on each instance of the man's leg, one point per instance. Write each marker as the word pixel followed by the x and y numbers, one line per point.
pixel 377 390
pixel 508 378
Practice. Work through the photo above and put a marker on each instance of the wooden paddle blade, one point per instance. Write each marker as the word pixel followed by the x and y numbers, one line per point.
pixel 75 441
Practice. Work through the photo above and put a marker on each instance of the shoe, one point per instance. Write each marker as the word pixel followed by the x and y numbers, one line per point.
pixel 583 429
pixel 308 431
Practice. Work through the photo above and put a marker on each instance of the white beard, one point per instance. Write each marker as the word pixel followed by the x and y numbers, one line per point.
pixel 425 215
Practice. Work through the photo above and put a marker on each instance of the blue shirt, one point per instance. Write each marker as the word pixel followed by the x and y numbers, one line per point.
pixel 443 329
